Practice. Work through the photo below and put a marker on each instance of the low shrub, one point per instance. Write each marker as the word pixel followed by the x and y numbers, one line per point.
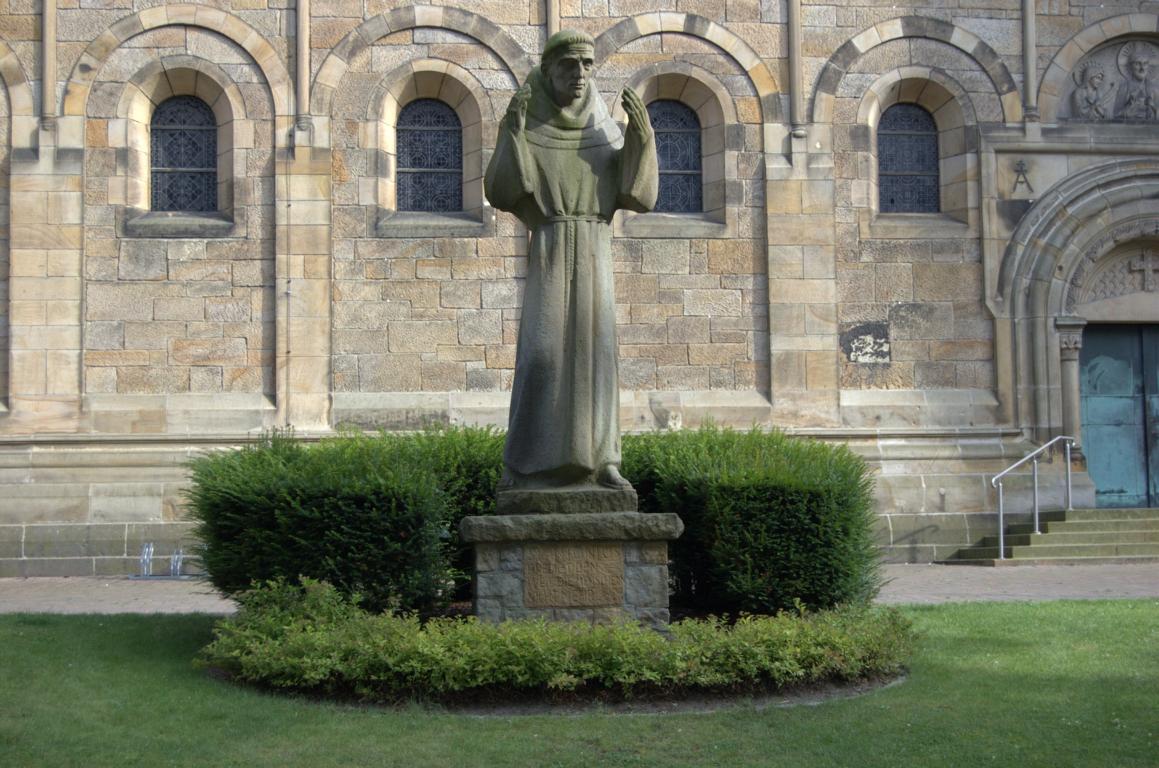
pixel 313 639
pixel 769 519
pixel 363 513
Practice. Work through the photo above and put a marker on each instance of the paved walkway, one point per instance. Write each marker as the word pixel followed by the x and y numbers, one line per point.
pixel 906 584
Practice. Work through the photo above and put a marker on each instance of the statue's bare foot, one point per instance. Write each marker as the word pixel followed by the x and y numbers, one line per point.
pixel 610 477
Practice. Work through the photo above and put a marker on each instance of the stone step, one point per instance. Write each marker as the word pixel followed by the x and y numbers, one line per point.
pixel 1107 513
pixel 1087 526
pixel 1054 551
pixel 1027 539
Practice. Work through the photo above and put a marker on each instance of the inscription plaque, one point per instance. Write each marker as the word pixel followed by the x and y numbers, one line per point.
pixel 573 575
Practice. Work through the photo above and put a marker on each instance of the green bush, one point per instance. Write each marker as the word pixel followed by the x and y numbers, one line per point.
pixel 359 512
pixel 312 639
pixel 769 519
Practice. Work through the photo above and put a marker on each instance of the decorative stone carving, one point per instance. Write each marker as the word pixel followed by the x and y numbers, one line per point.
pixel 1147 264
pixel 1133 98
pixel 1125 274
pixel 1137 96
pixel 1091 99
pixel 1070 343
pixel 1093 278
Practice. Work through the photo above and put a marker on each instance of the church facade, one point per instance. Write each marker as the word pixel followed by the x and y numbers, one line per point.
pixel 929 231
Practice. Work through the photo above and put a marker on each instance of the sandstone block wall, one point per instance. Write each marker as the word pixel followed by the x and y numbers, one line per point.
pixel 308 300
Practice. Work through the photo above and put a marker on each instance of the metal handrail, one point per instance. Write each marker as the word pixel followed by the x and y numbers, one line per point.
pixel 996 482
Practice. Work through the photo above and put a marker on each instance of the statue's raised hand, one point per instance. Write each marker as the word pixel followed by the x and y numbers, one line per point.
pixel 638 121
pixel 517 110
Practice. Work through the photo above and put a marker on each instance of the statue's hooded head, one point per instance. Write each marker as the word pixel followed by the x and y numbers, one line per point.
pixel 568 62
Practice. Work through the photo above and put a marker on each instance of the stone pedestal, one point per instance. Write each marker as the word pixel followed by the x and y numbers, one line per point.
pixel 584 566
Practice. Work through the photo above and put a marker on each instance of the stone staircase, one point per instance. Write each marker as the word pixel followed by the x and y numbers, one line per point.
pixel 1071 538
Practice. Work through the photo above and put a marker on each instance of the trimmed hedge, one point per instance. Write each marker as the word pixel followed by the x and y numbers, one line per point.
pixel 769 519
pixel 312 639
pixel 366 514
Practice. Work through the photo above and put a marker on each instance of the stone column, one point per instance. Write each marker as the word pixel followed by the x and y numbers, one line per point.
pixel 796 80
pixel 302 66
pixel 551 16
pixel 1070 343
pixel 48 65
pixel 1029 62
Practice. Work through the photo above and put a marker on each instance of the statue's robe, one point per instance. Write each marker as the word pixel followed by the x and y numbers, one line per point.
pixel 564 178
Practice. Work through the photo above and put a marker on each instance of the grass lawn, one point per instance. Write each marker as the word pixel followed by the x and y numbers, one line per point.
pixel 1043 684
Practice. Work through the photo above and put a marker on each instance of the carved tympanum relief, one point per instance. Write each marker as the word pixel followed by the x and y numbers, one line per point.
pixel 1118 82
pixel 1133 270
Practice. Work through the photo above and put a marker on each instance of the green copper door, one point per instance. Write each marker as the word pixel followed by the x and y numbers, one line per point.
pixel 1120 411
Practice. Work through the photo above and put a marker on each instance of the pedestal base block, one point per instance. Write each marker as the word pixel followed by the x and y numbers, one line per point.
pixel 572 567
pixel 551 501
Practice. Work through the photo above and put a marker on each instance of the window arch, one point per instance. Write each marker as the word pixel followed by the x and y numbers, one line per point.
pixel 429 139
pixel 677 130
pixel 183 152
pixel 907 157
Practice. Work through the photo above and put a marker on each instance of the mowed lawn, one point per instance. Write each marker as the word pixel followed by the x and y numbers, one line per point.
pixel 1015 684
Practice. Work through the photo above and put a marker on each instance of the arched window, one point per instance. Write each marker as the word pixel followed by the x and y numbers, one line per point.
pixel 184 155
pixel 677 132
pixel 907 161
pixel 429 137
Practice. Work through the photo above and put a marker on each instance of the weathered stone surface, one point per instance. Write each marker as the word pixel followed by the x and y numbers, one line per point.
pixel 581 526
pixel 142 260
pixel 208 351
pixel 569 575
pixel 565 501
pixel 647 586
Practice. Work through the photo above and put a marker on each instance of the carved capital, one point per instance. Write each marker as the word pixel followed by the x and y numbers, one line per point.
pixel 1070 336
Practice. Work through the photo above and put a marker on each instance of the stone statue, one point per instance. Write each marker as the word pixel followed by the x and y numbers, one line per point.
pixel 1137 98
pixel 1092 96
pixel 563 168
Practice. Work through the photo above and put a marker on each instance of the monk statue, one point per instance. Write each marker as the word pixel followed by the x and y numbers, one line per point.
pixel 563 168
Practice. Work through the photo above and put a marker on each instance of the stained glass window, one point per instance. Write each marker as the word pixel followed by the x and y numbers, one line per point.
pixel 907 161
pixel 183 138
pixel 430 157
pixel 677 132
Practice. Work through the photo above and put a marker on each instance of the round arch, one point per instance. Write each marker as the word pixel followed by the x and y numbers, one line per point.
pixel 449 83
pixel 844 58
pixel 210 19
pixel 179 75
pixel 1055 81
pixel 635 27
pixel 931 89
pixel 334 67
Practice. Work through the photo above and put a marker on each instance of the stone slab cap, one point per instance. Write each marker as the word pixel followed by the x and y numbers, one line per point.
pixel 582 526
pixel 565 501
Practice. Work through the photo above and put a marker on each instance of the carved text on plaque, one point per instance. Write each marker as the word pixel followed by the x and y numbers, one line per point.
pixel 573 575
